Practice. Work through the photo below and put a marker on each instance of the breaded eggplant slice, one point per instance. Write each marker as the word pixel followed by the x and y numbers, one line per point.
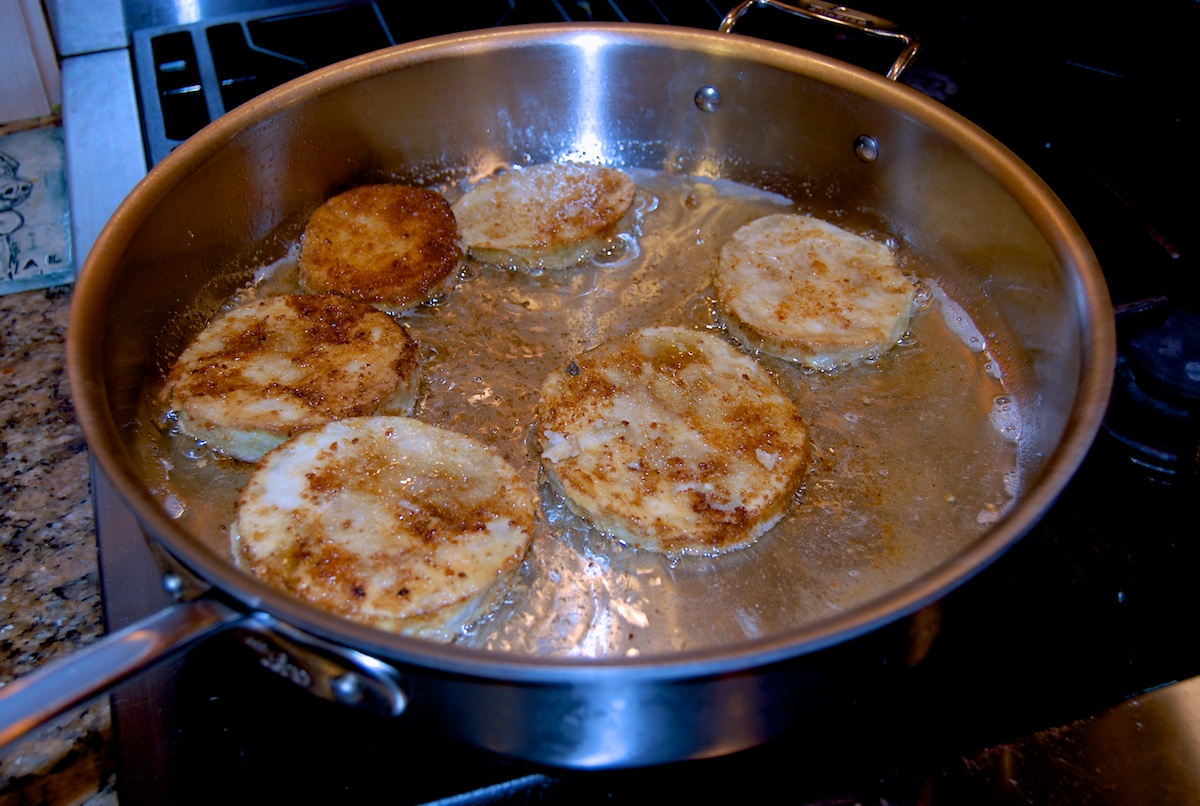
pixel 264 371
pixel 808 291
pixel 546 216
pixel 387 521
pixel 672 440
pixel 392 246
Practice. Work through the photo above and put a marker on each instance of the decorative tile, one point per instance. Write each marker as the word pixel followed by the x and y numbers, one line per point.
pixel 35 240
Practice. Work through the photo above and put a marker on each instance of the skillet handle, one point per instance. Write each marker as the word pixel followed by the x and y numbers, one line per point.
pixel 833 14
pixel 35 698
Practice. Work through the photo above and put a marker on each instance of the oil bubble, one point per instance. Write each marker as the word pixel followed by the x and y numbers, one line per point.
pixel 1005 417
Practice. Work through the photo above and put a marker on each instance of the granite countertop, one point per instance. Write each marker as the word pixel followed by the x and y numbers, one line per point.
pixel 49 576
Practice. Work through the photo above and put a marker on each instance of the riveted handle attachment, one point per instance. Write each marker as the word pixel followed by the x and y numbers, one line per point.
pixel 834 14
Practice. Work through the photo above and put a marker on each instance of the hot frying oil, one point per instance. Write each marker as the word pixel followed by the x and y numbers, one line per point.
pixel 915 454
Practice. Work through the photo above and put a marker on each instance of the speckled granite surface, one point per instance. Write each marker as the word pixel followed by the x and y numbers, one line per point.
pixel 49 578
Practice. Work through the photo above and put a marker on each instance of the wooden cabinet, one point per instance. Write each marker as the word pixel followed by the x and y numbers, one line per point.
pixel 29 78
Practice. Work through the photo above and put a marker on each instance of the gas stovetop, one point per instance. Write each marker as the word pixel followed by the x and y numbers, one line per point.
pixel 1080 616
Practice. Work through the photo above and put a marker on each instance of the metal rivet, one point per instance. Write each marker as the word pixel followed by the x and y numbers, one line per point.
pixel 346 688
pixel 866 148
pixel 708 99
pixel 172 584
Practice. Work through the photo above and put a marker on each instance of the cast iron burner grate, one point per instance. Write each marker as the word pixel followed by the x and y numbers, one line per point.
pixel 1155 408
pixel 190 75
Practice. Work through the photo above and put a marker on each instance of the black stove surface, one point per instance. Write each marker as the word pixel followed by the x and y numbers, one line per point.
pixel 1080 615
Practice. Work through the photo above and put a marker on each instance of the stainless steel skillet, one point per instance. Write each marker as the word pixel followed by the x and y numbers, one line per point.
pixel 639 96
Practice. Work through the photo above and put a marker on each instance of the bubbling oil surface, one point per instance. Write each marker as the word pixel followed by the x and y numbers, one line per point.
pixel 915 454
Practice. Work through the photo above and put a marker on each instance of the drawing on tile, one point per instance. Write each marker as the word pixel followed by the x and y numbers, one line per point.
pixel 14 189
pixel 34 218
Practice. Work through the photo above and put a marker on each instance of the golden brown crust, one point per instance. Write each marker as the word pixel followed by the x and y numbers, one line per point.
pixel 266 370
pixel 545 216
pixel 393 246
pixel 387 521
pixel 672 440
pixel 808 291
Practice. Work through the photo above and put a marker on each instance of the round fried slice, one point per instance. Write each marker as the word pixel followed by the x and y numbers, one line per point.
pixel 387 521
pixel 672 440
pixel 546 216
pixel 393 246
pixel 805 290
pixel 261 372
